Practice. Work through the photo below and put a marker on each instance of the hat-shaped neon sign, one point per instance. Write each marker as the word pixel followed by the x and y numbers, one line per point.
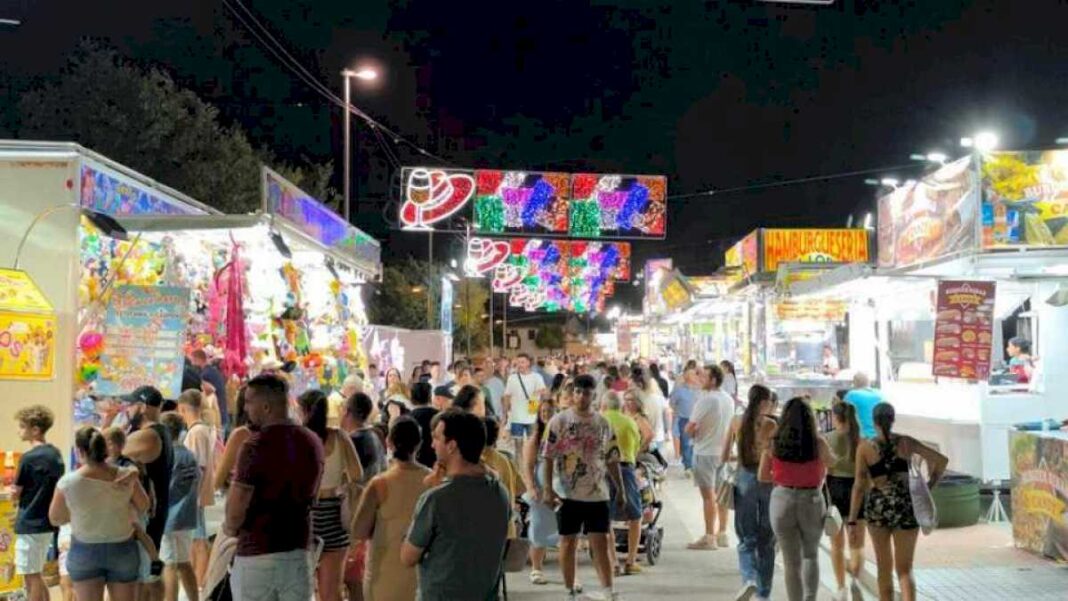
pixel 431 195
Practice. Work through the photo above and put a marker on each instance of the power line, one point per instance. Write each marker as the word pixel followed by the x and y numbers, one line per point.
pixel 262 34
pixel 791 182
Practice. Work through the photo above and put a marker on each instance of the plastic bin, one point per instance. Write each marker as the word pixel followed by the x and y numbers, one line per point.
pixel 957 498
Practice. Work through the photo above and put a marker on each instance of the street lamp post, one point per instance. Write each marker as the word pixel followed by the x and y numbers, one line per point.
pixel 365 74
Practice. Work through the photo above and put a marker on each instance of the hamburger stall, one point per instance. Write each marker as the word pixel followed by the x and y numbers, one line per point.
pixel 787 337
pixel 970 256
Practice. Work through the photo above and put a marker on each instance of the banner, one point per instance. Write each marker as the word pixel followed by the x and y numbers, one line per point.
pixel 931 218
pixel 626 206
pixel 964 329
pixel 322 224
pixel 744 254
pixel 521 202
pixel 1025 199
pixel 814 246
pixel 446 305
pixel 144 332
pixel 110 192
pixel 27 329
pixel 10 582
pixel 1039 471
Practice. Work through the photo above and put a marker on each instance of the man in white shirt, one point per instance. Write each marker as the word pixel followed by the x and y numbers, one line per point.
pixel 709 424
pixel 200 440
pixel 522 394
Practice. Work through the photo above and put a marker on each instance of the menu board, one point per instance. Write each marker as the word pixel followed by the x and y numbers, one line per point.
pixel 143 335
pixel 964 329
pixel 1039 469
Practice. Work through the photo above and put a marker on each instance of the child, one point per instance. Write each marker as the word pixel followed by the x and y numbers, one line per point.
pixel 39 470
pixel 178 535
pixel 116 441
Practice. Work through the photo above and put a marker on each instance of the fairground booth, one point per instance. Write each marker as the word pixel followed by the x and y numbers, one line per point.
pixel 800 347
pixel 134 275
pixel 971 257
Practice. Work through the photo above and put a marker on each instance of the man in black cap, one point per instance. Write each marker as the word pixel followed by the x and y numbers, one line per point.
pixel 150 444
pixel 443 396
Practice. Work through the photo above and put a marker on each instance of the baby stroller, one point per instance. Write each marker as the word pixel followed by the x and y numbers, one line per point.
pixel 651 541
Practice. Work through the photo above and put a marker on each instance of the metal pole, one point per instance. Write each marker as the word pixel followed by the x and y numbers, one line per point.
pixel 430 281
pixel 467 314
pixel 347 184
pixel 504 327
pixel 491 319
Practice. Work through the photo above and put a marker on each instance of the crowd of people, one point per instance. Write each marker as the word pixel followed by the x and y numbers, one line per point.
pixel 387 489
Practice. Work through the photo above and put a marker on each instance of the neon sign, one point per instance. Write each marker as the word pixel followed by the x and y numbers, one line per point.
pixel 618 205
pixel 521 201
pixel 484 255
pixel 432 195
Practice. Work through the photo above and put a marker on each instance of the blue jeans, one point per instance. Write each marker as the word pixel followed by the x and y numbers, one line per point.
pixel 685 442
pixel 752 523
pixel 273 577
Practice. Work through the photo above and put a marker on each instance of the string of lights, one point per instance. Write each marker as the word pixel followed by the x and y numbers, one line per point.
pixel 263 35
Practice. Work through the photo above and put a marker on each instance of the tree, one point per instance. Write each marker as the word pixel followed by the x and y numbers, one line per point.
pixel 471 322
pixel 142 119
pixel 550 337
pixel 400 300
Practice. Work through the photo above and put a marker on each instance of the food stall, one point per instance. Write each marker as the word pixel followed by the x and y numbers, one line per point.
pixel 787 336
pixel 139 274
pixel 965 265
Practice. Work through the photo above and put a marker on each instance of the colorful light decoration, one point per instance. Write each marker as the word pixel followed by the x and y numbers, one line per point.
pixel 484 255
pixel 618 205
pixel 521 201
pixel 432 195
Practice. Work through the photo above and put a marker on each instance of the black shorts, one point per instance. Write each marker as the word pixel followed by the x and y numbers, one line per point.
pixel 574 517
pixel 841 490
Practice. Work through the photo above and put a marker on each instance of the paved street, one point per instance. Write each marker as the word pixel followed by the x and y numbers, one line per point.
pixel 680 574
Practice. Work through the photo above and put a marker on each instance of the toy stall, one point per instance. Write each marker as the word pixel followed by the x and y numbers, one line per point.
pixel 970 257
pixel 788 337
pixel 281 286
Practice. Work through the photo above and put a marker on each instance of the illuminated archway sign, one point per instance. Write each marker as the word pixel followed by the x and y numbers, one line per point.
pixel 484 255
pixel 431 195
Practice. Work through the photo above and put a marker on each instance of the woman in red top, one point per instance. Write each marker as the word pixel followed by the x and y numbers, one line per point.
pixel 796 462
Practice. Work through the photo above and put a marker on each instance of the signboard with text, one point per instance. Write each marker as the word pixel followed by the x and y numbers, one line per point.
pixel 964 329
pixel 144 332
pixel 1038 465
pixel 814 246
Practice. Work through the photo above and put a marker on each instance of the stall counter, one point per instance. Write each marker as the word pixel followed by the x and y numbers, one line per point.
pixel 1040 492
pixel 9 581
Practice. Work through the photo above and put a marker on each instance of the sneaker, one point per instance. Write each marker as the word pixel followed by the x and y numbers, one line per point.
pixel 632 569
pixel 596 596
pixel 722 541
pixel 705 543
pixel 855 593
pixel 538 577
pixel 746 593
pixel 616 597
pixel 841 595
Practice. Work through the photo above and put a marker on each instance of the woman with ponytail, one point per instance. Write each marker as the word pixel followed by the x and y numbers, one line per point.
pixel 882 472
pixel 95 500
pixel 753 431
pixel 844 440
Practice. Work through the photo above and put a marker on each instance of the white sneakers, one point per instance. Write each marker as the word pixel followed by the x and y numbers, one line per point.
pixel 722 541
pixel 705 543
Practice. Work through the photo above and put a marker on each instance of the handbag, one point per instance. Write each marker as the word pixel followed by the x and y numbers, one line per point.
pixel 725 490
pixel 923 506
pixel 832 518
pixel 350 494
pixel 516 551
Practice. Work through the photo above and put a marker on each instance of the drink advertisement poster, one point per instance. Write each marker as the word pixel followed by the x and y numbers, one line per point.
pixel 964 329
pixel 1025 199
pixel 1039 469
pixel 144 333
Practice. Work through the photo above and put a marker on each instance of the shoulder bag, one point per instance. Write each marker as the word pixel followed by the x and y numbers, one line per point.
pixel 923 505
pixel 832 518
pixel 351 490
pixel 725 490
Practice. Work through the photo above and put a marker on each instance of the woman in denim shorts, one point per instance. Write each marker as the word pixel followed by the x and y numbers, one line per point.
pixel 97 500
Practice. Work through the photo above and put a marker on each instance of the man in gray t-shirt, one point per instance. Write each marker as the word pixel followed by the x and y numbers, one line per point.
pixel 459 528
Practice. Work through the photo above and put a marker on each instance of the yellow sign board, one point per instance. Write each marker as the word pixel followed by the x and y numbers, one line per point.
pixel 27 346
pixel 19 293
pixel 9 581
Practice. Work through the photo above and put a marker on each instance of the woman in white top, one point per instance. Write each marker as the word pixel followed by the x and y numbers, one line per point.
pixel 96 500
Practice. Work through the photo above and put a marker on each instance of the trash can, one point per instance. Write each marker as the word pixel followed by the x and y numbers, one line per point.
pixel 957 499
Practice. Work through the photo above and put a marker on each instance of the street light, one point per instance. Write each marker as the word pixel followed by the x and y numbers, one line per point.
pixel 889 182
pixel 363 74
pixel 867 221
pixel 984 141
pixel 1062 141
pixel 11 22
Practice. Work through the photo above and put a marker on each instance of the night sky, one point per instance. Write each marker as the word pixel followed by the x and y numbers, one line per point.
pixel 711 94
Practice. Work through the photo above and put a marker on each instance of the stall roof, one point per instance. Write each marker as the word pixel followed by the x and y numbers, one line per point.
pixel 174 223
pixel 38 149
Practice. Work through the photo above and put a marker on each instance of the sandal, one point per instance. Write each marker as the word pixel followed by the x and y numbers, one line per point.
pixel 538 577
